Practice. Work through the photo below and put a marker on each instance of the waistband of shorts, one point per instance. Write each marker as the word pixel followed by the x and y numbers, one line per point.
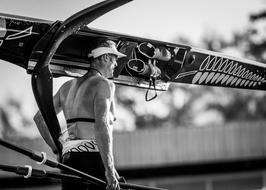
pixel 80 146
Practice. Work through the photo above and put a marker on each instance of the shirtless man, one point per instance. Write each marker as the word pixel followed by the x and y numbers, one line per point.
pixel 88 106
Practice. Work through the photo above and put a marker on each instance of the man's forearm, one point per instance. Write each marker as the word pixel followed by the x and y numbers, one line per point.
pixel 104 139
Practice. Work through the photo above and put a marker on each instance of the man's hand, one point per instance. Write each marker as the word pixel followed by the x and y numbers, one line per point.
pixel 112 182
pixel 119 178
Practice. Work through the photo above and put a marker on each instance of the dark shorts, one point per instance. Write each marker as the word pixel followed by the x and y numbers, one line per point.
pixel 88 162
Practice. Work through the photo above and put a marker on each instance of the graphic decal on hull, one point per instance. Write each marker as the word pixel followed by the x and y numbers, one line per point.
pixel 222 71
pixel 184 74
pixel 2 30
pixel 20 34
pixel 215 70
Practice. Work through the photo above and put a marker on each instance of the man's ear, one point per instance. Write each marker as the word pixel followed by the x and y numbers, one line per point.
pixel 102 58
pixel 105 57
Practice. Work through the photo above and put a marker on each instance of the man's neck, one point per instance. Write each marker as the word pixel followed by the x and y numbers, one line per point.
pixel 96 71
pixel 99 71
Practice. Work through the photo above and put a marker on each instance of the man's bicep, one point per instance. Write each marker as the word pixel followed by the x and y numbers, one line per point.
pixel 101 107
pixel 102 102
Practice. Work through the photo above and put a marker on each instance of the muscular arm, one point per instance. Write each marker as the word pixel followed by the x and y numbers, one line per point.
pixel 42 127
pixel 103 131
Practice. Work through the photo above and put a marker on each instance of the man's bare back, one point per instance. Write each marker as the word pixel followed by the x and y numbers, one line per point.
pixel 77 100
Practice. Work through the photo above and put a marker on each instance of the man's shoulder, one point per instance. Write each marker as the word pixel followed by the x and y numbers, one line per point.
pixel 104 86
pixel 67 84
pixel 103 82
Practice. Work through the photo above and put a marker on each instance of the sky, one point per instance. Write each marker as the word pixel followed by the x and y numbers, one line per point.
pixel 164 20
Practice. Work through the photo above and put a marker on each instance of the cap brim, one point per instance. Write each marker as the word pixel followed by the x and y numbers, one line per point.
pixel 105 50
pixel 119 55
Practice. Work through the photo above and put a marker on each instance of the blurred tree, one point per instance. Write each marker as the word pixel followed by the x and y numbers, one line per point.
pixel 258 38
pixel 14 123
pixel 258 16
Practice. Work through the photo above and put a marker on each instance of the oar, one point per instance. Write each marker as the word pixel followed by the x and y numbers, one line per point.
pixel 28 171
pixel 54 164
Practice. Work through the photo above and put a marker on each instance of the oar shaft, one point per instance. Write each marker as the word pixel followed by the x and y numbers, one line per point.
pixel 16 148
pixel 28 152
pixel 81 174
pixel 41 173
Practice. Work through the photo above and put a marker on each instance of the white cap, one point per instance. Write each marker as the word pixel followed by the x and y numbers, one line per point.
pixel 105 50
